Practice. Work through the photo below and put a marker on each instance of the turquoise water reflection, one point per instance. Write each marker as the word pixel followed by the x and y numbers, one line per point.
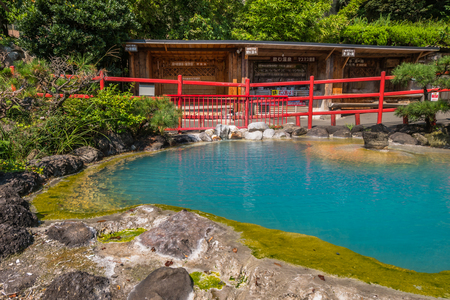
pixel 392 206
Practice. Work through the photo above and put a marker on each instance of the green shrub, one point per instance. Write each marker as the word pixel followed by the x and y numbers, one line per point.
pixel 424 110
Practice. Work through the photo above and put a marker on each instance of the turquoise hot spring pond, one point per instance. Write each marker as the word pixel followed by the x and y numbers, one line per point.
pixel 393 206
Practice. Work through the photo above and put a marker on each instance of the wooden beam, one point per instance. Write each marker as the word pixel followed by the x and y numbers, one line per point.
pixel 418 57
pixel 331 52
pixel 346 60
pixel 166 49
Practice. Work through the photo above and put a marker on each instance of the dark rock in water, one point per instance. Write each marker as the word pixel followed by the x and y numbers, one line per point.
pixel 58 165
pixel 183 139
pixel 380 128
pixel 88 154
pixel 71 233
pixel 151 143
pixel 333 129
pixel 21 183
pixel 342 133
pixel 17 284
pixel 357 128
pixel 375 140
pixel 13 239
pixel 319 132
pixel 299 131
pixel 164 283
pixel 205 137
pixel 78 285
pixel 179 236
pixel 115 143
pixel 403 138
pixel 422 140
pixel 17 215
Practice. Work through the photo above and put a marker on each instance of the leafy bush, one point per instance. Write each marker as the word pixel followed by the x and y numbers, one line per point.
pixel 424 110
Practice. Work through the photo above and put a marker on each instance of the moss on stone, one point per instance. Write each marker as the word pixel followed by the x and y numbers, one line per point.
pixel 122 236
pixel 205 281
pixel 312 252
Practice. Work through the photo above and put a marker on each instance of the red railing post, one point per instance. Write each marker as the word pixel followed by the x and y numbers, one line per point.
pixel 357 119
pixel 297 121
pixel 333 120
pixel 102 80
pixel 179 93
pixel 12 72
pixel 381 98
pixel 311 99
pixel 405 120
pixel 247 101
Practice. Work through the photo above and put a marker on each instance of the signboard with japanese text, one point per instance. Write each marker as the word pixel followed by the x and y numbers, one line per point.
pixel 251 51
pixel 435 96
pixel 348 52
pixel 131 48
pixel 293 59
pixel 188 64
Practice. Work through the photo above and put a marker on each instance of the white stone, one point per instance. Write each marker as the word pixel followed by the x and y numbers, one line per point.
pixel 209 132
pixel 268 133
pixel 256 135
pixel 280 134
pixel 233 128
pixel 257 126
pixel 222 131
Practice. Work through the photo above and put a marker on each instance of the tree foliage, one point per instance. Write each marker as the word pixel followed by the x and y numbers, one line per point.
pixel 281 20
pixel 72 27
pixel 185 19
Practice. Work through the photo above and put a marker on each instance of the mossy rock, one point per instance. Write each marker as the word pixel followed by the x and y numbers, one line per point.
pixel 207 281
pixel 122 236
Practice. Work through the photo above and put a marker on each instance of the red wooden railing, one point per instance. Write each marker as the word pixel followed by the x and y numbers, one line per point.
pixel 206 111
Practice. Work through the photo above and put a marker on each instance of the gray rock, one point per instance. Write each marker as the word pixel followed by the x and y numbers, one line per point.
pixel 210 132
pixel 233 128
pixel 32 155
pixel 357 135
pixel 58 165
pixel 410 128
pixel 342 133
pixel 222 131
pixel 357 128
pixel 290 128
pixel 280 134
pixel 164 283
pixel 179 236
pixel 17 284
pixel 21 183
pixel 403 138
pixel 155 147
pixel 255 135
pixel 380 128
pixel 333 129
pixel 151 143
pixel 88 154
pixel 115 143
pixel 9 197
pixel 78 285
pixel 318 132
pixel 13 240
pixel 300 131
pixel 268 133
pixel 422 140
pixel 237 135
pixel 375 140
pixel 17 215
pixel 257 126
pixel 71 233
pixel 183 139
pixel 205 137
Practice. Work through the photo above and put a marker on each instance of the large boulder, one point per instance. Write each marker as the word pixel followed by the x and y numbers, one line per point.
pixel 21 183
pixel 222 131
pixel 290 128
pixel 422 140
pixel 183 139
pixel 257 126
pixel 380 128
pixel 71 233
pixel 280 134
pixel 205 137
pixel 375 140
pixel 151 143
pixel 403 138
pixel 78 285
pixel 268 133
pixel 318 132
pixel 299 131
pixel 13 239
pixel 58 165
pixel 179 236
pixel 255 135
pixel 333 129
pixel 357 128
pixel 236 135
pixel 9 197
pixel 17 215
pixel 88 154
pixel 115 143
pixel 164 283
pixel 343 133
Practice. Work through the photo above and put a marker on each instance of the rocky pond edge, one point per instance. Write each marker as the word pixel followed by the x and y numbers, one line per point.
pixel 16 217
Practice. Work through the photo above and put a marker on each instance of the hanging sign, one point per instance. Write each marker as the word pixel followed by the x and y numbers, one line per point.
pixel 251 50
pixel 131 48
pixel 435 96
pixel 293 58
pixel 348 52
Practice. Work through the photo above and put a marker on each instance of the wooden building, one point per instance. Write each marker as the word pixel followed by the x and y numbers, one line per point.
pixel 234 61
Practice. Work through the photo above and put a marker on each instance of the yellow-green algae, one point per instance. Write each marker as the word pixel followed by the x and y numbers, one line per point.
pixel 205 281
pixel 298 249
pixel 122 236
pixel 312 252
